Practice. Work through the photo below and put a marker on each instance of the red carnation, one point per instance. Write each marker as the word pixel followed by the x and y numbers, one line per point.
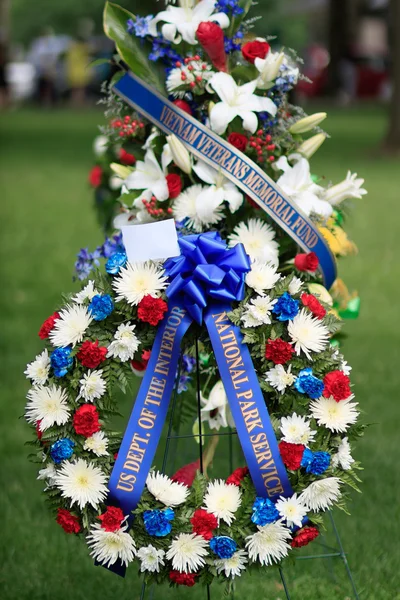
pixel 211 38
pixel 126 157
pixel 140 365
pixel 39 432
pixel 183 106
pixel 239 140
pixel 68 522
pixel 304 536
pixel 86 420
pixel 291 454
pixel 174 183
pixel 204 523
pixel 91 355
pixel 255 49
pixel 314 305
pixel 188 579
pixel 151 310
pixel 95 175
pixel 238 475
pixel 111 520
pixel 48 325
pixel 187 473
pixel 337 384
pixel 306 262
pixel 278 351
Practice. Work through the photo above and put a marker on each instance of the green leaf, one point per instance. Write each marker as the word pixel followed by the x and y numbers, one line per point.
pixel 98 62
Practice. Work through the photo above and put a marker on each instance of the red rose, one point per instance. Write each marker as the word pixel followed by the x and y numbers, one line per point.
pixel 95 175
pixel 188 579
pixel 238 475
pixel 187 473
pixel 86 420
pixel 306 262
pixel 255 49
pixel 151 310
pixel 203 523
pixel 336 384
pixel 174 183
pixel 239 140
pixel 68 522
pixel 304 536
pixel 211 38
pixel 48 325
pixel 111 520
pixel 291 454
pixel 183 106
pixel 91 355
pixel 314 305
pixel 126 158
pixel 278 351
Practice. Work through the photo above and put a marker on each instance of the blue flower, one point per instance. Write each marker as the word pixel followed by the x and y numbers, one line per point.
pixel 183 383
pixel 286 308
pixel 223 546
pixel 61 361
pixel 264 512
pixel 233 44
pixel 101 306
pixel 315 462
pixel 62 450
pixel 229 7
pixel 158 522
pixel 307 459
pixel 306 383
pixel 112 245
pixel 115 262
pixel 188 363
pixel 140 27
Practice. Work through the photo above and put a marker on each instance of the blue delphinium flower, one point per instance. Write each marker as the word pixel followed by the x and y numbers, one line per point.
pixel 115 262
pixel 307 383
pixel 62 450
pixel 229 7
pixel 286 308
pixel 183 383
pixel 158 522
pixel 315 462
pixel 188 363
pixel 140 27
pixel 61 361
pixel 233 44
pixel 162 49
pixel 112 245
pixel 223 546
pixel 264 512
pixel 101 306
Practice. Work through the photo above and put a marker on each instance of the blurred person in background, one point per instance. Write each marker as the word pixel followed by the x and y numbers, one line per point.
pixel 77 70
pixel 43 55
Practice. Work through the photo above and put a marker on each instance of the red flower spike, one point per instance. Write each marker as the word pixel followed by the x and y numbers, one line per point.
pixel 211 38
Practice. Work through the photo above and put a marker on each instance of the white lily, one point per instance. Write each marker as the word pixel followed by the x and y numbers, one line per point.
pixel 220 190
pixel 237 101
pixel 215 409
pixel 268 68
pixel 178 153
pixel 310 146
pixel 307 123
pixel 148 175
pixel 182 22
pixel 351 187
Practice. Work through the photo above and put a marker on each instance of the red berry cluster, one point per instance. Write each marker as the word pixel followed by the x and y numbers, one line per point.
pixel 187 65
pixel 263 146
pixel 127 126
pixel 151 207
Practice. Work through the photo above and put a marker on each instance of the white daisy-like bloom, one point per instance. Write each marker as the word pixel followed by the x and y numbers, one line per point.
pixel 125 343
pixel 97 443
pixel 262 277
pixel 100 145
pixel 109 546
pixel 321 494
pixel 222 500
pixel 82 482
pixel 220 188
pixel 48 474
pixel 150 558
pixel 295 286
pixel 280 379
pixel 187 552
pixel 296 429
pixel 343 458
pixel 38 370
pixel 308 334
pixel 200 216
pixel 49 405
pixel 232 567
pixel 269 543
pixel 258 239
pixel 165 490
pixel 258 311
pixel 336 416
pixel 71 325
pixel 137 280
pixel 292 510
pixel 215 409
pixel 87 293
pixel 92 386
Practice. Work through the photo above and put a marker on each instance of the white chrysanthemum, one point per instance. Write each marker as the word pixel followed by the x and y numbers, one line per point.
pixel 71 325
pixel 232 567
pixel 137 280
pixel 87 293
pixel 82 482
pixel 200 216
pixel 308 333
pixel 150 558
pixel 321 494
pixel 92 385
pixel 258 240
pixel 222 500
pixel 165 490
pixel 343 456
pixel 262 277
pixel 48 405
pixel 48 474
pixel 187 552
pixel 269 543
pixel 109 546
pixel 124 344
pixel 292 510
pixel 296 429
pixel 295 286
pixel 97 443
pixel 279 378
pixel 38 370
pixel 258 311
pixel 336 416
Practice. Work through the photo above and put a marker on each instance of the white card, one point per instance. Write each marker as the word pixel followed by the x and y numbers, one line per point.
pixel 150 241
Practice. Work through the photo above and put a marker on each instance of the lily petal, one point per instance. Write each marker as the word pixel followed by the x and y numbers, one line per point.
pixel 220 117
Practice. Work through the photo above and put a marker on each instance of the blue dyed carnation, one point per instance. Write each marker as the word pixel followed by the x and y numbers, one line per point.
pixel 306 383
pixel 115 262
pixel 158 522
pixel 264 512
pixel 223 546
pixel 286 308
pixel 315 462
pixel 139 27
pixel 307 459
pixel 62 450
pixel 101 306
pixel 61 361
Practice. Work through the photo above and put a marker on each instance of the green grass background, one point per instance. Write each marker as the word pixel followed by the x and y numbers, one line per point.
pixel 46 216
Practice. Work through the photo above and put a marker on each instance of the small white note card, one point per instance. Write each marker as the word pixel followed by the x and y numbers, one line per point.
pixel 151 241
